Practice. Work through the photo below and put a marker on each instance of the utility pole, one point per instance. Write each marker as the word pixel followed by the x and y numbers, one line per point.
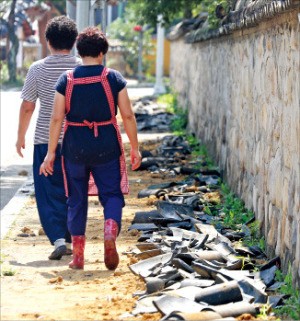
pixel 71 13
pixel 140 31
pixel 159 87
pixel 103 15
pixel 109 15
pixel 103 22
pixel 82 14
pixel 140 61
pixel 71 9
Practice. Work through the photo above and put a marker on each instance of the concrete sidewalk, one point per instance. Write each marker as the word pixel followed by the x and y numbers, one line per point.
pixel 17 203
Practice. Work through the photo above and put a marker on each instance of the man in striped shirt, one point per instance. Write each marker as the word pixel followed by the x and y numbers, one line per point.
pixel 61 33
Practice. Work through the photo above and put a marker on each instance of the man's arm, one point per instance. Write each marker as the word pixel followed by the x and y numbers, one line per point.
pixel 26 111
pixel 57 118
pixel 130 127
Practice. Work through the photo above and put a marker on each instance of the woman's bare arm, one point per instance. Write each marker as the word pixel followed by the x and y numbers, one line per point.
pixel 130 127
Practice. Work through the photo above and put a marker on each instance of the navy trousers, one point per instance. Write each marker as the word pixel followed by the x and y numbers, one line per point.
pixel 50 196
pixel 107 178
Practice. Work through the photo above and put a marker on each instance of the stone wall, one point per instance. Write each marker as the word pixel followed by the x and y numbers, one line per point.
pixel 242 92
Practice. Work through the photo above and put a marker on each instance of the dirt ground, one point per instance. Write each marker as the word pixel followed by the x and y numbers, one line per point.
pixel 40 289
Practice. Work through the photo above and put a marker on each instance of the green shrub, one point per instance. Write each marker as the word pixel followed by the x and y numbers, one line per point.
pixel 3 72
pixel 4 77
pixel 169 101
pixel 291 307
pixel 210 7
pixel 123 30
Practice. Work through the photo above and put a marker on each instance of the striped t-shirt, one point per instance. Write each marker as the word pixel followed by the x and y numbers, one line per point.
pixel 40 83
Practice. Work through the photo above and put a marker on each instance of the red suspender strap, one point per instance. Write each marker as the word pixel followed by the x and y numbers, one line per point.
pixel 64 176
pixel 109 95
pixel 69 89
pixel 68 93
pixel 110 98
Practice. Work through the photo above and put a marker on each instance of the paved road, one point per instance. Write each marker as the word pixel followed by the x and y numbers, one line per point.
pixel 11 164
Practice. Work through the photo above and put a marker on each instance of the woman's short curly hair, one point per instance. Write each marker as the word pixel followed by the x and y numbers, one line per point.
pixel 91 42
pixel 61 32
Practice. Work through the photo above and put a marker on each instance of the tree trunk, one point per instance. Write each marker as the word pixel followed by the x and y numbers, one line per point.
pixel 14 44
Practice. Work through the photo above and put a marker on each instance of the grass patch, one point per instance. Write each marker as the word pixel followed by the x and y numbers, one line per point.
pixel 180 122
pixel 6 270
pixel 233 208
pixel 169 101
pixel 291 307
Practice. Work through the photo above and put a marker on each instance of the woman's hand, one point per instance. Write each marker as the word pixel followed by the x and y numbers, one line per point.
pixel 47 166
pixel 136 159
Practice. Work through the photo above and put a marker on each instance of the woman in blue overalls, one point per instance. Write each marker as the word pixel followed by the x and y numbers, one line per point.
pixel 93 155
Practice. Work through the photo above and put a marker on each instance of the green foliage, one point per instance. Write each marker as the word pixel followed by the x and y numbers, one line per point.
pixel 4 77
pixel 5 270
pixel 180 122
pixel 176 10
pixel 264 312
pixel 233 209
pixel 255 238
pixel 200 150
pixel 210 7
pixel 192 140
pixel 8 272
pixel 147 12
pixel 291 307
pixel 169 101
pixel 122 29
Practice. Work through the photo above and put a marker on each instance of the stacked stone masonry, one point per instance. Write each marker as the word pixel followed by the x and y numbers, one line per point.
pixel 242 92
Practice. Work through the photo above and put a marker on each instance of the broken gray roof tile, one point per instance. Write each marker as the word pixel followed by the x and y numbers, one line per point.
pixel 212 232
pixel 249 288
pixel 234 309
pixel 144 267
pixel 167 304
pixel 196 316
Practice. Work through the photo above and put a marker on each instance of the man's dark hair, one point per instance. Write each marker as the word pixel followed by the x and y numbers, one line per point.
pixel 61 32
pixel 91 42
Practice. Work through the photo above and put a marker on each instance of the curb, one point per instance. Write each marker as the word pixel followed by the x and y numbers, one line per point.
pixel 13 208
pixel 140 85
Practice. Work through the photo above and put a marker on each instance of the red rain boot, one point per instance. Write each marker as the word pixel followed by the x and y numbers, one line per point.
pixel 78 252
pixel 111 257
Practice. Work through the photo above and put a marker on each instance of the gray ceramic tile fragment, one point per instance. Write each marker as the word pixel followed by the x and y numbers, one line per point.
pixel 196 316
pixel 234 309
pixel 144 267
pixel 167 304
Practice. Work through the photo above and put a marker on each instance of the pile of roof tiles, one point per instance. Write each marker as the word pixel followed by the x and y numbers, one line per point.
pixel 151 116
pixel 194 267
